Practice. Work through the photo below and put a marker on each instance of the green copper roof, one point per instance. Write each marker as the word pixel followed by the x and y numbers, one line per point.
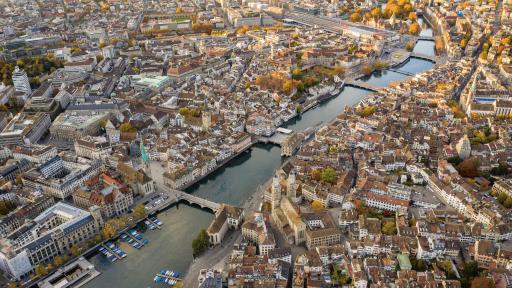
pixel 143 155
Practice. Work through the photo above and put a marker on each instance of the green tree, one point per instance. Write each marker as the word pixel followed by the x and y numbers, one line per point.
pixel 3 108
pixel 200 243
pixel 328 175
pixel 184 111
pixel 297 74
pixel 127 127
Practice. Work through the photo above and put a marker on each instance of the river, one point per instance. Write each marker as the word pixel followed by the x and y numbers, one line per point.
pixel 170 248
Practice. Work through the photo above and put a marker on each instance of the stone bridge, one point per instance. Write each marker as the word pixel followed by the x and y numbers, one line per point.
pixel 430 58
pixel 360 84
pixel 191 199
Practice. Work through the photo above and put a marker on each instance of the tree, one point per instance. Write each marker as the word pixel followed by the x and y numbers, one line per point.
pixel 201 243
pixel 502 169
pixel 412 16
pixel 317 206
pixel 502 197
pixel 297 74
pixel 454 160
pixel 409 46
pixel 75 250
pixel 439 44
pixel 328 175
pixel 184 111
pixel 5 207
pixel 127 127
pixel 355 17
pixel 315 174
pixel 58 261
pixel 139 211
pixel 12 285
pixel 3 108
pixel 468 168
pixel 508 203
pixel 367 70
pixel 99 57
pixel 376 13
pixel 389 228
pixel 482 282
pixel 108 230
pixel 288 87
pixel 415 28
pixel 40 270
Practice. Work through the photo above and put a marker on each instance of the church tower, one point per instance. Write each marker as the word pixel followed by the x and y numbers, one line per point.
pixel 146 167
pixel 276 192
pixel 292 185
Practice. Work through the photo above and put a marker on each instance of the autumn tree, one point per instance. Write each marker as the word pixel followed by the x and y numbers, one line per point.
pixel 367 69
pixel 415 28
pixel 389 228
pixel 317 206
pixel 482 282
pixel 139 211
pixel 40 270
pixel 288 87
pixel 58 261
pixel 376 13
pixel 108 231
pixel 468 168
pixel 315 174
pixel 412 16
pixel 355 17
pixel 75 250
pixel 125 127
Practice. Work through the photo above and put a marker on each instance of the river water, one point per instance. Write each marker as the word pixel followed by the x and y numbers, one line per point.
pixel 170 248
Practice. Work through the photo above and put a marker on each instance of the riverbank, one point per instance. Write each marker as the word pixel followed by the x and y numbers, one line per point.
pixel 234 183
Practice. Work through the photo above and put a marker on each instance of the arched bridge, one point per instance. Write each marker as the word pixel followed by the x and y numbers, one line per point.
pixel 426 38
pixel 360 84
pixel 430 58
pixel 191 199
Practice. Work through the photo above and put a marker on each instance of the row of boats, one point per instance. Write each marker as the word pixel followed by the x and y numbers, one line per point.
pixel 153 223
pixel 134 238
pixel 113 252
pixel 167 276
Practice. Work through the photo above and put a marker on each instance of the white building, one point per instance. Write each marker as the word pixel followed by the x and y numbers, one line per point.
pixel 20 81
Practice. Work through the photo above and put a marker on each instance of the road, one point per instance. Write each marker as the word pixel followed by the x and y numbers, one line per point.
pixel 214 258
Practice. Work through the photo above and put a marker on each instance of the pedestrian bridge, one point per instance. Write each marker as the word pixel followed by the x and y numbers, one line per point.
pixel 191 199
pixel 360 84
pixel 430 58
pixel 426 38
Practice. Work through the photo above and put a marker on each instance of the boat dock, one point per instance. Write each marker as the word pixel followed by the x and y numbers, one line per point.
pixel 135 237
pixel 111 251
pixel 153 223
pixel 168 277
